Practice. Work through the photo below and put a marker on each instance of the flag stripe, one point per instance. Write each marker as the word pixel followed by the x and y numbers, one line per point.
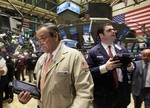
pixel 139 15
pixel 139 9
pixel 138 20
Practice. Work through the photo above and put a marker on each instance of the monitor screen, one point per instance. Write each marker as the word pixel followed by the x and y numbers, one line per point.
pixel 71 44
pixel 15 25
pixel 129 47
pixel 123 33
pixel 63 34
pixel 68 6
pixel 85 28
pixel 20 40
pixel 73 33
pixel 26 35
pixel 73 7
pixel 136 48
pixel 88 39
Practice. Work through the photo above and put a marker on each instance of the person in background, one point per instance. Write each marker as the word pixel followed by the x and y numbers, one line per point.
pixel 3 71
pixel 63 76
pixel 31 60
pixel 7 91
pixel 111 87
pixel 141 80
pixel 8 78
pixel 21 67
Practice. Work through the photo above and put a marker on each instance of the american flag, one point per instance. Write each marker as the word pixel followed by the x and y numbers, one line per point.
pixel 138 20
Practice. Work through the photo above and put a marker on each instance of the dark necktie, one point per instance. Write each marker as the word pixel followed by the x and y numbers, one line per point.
pixel 116 84
pixel 145 69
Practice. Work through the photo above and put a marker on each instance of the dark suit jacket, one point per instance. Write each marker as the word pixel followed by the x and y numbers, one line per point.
pixel 137 78
pixel 103 83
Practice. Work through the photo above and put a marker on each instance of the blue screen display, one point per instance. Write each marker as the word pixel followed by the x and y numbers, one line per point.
pixel 68 6
pixel 85 28
pixel 70 44
pixel 63 34
pixel 136 48
pixel 124 31
pixel 20 40
pixel 26 35
pixel 73 33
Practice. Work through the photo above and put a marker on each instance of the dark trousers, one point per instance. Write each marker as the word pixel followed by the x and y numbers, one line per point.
pixel 1 95
pixel 146 97
pixel 118 101
pixel 111 101
pixel 137 101
pixel 8 92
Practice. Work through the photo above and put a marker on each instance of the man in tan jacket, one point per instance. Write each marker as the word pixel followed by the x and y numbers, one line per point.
pixel 63 76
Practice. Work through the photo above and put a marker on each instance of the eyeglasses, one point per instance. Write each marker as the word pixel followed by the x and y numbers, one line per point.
pixel 42 39
pixel 109 30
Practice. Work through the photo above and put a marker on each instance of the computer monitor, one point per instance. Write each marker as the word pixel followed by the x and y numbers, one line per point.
pixel 27 35
pixel 85 28
pixel 129 47
pixel 63 34
pixel 68 6
pixel 15 25
pixel 136 48
pixel 21 40
pixel 70 43
pixel 123 33
pixel 88 39
pixel 73 33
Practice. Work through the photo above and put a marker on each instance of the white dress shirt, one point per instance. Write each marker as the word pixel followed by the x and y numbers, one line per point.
pixel 119 71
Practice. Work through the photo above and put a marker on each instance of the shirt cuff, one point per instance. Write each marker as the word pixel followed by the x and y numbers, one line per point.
pixel 103 69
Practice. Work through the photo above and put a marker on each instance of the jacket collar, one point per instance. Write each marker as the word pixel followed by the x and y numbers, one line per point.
pixel 102 50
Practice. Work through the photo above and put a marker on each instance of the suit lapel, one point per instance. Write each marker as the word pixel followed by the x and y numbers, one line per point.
pixel 102 51
pixel 58 58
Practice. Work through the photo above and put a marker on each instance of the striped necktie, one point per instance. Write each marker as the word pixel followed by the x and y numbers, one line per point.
pixel 115 76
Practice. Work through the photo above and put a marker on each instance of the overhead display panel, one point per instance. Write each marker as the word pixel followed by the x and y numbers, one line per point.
pixel 15 25
pixel 68 6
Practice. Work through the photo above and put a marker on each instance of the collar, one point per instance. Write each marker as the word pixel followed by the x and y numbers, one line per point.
pixel 54 52
pixel 106 46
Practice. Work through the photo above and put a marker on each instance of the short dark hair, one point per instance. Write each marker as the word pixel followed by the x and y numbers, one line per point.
pixel 101 28
pixel 52 28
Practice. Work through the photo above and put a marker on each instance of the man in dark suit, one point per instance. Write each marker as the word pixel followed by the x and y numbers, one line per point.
pixel 3 71
pixel 141 80
pixel 109 91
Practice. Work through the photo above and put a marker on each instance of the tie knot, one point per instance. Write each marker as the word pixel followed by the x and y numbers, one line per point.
pixel 109 47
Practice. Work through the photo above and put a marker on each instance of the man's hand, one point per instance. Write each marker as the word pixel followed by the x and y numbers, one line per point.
pixel 24 97
pixel 112 64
